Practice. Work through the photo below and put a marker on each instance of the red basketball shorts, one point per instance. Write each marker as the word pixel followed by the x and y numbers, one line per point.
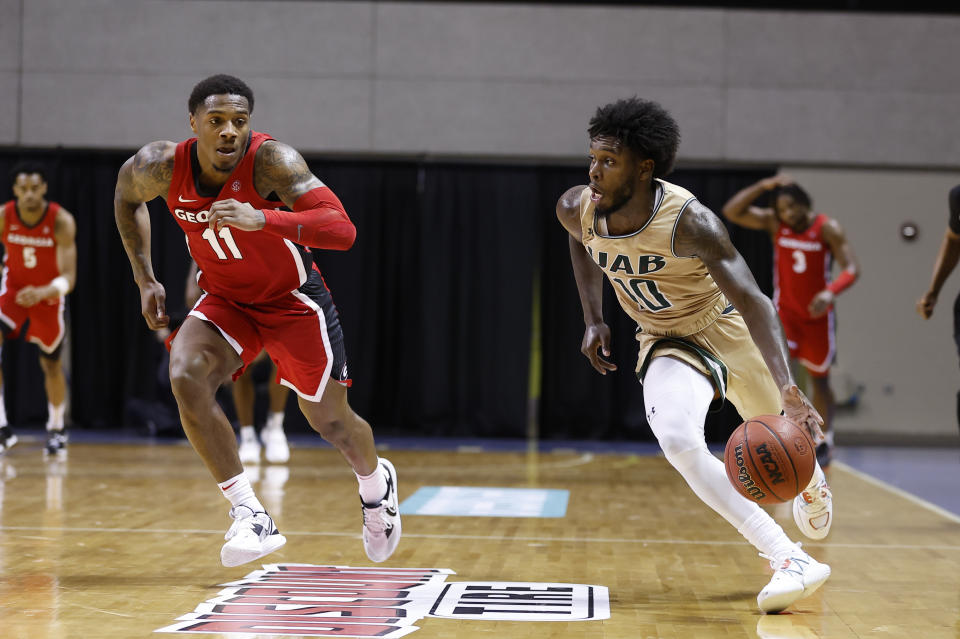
pixel 300 331
pixel 46 327
pixel 812 341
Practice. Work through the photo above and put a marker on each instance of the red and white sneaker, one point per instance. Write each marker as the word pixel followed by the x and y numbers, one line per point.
pixel 813 508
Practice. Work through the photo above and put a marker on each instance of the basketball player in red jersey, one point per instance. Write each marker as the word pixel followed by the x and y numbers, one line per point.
pixel 39 269
pixel 805 244
pixel 261 290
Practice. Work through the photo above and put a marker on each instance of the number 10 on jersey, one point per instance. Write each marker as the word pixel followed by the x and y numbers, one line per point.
pixel 227 237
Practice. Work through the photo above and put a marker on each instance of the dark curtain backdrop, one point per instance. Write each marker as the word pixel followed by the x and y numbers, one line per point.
pixel 435 297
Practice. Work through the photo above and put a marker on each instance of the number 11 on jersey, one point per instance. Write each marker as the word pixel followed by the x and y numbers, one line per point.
pixel 227 237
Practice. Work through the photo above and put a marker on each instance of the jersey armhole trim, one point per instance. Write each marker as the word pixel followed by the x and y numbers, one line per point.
pixel 673 234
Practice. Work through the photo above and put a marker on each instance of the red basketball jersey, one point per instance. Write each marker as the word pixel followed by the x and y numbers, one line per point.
pixel 243 266
pixel 802 264
pixel 30 258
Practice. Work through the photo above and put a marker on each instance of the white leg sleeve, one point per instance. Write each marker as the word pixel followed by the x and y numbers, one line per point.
pixel 677 398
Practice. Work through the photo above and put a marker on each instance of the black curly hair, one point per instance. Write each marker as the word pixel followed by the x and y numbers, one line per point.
pixel 644 127
pixel 27 167
pixel 797 192
pixel 217 85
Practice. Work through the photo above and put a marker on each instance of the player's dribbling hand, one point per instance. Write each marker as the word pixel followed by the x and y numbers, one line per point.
pixel 798 409
pixel 597 336
pixel 239 215
pixel 153 305
pixel 925 305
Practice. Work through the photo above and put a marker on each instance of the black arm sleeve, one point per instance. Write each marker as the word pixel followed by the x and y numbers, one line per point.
pixel 955 209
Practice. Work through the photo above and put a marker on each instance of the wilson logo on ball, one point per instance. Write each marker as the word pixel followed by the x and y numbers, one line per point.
pixel 743 476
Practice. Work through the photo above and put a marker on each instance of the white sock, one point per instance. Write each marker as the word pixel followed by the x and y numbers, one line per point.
pixel 767 536
pixel 239 492
pixel 373 487
pixel 248 433
pixel 3 411
pixel 817 476
pixel 55 416
pixel 275 420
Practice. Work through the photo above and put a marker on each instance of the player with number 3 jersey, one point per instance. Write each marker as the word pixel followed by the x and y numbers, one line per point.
pixel 805 246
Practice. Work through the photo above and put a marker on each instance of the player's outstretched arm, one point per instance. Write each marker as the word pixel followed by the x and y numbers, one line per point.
pixel 740 209
pixel 142 178
pixel 589 280
pixel 700 233
pixel 317 219
pixel 946 260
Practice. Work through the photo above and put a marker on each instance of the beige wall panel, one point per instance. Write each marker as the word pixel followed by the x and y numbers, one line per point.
pixel 908 366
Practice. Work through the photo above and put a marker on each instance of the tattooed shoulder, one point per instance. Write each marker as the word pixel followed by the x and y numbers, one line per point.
pixel 280 168
pixel 152 167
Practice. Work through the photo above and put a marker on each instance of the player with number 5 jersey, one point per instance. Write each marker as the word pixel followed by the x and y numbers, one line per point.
pixel 225 188
pixel 39 269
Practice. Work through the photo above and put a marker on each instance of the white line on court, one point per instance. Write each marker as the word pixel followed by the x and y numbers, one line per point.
pixel 491 538
pixel 870 479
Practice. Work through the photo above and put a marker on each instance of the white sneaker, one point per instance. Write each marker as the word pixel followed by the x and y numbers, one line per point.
pixel 249 448
pixel 813 509
pixel 381 523
pixel 7 439
pixel 797 576
pixel 251 536
pixel 275 442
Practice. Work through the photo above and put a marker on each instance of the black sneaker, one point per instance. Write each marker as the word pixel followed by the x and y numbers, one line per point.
pixel 56 444
pixel 7 439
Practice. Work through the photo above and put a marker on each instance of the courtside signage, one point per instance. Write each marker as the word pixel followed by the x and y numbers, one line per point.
pixel 304 600
pixel 470 501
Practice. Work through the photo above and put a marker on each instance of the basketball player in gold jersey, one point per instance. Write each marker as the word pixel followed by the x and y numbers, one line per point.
pixel 705 329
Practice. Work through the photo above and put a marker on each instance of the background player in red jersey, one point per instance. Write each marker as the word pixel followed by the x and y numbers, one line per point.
pixel 946 261
pixel 805 244
pixel 39 269
pixel 260 290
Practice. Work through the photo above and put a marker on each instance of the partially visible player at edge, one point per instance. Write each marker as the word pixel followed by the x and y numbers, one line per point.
pixel 39 269
pixel 805 244
pixel 260 290
pixel 674 270
pixel 946 261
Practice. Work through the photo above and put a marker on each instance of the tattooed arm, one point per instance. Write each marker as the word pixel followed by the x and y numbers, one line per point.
pixel 317 220
pixel 142 178
pixel 700 233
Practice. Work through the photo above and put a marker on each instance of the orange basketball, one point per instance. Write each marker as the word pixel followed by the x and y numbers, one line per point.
pixel 769 459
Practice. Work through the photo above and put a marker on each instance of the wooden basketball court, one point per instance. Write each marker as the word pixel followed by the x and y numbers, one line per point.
pixel 121 540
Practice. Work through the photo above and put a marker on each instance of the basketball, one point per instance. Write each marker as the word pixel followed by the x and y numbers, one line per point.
pixel 769 459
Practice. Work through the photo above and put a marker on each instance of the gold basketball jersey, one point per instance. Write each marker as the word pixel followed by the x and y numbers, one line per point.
pixel 666 294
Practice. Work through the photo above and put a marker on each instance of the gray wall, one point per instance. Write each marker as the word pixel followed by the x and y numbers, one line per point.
pixel 845 91
pixel 495 80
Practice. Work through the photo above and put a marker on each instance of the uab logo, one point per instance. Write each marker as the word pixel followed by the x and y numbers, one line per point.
pixel 627 264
